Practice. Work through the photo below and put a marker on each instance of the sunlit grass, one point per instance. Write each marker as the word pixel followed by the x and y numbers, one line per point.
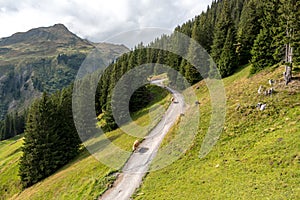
pixel 10 152
pixel 257 155
pixel 85 177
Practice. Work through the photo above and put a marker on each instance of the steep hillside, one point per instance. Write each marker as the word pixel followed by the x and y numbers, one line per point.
pixel 84 177
pixel 10 153
pixel 42 60
pixel 257 155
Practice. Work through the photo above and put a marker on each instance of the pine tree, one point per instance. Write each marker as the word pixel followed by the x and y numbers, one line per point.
pixel 191 74
pixel 236 10
pixel 34 164
pixel 68 140
pixel 228 59
pixel 264 47
pixel 224 40
pixel 288 29
pixel 51 139
pixel 248 29
pixel 208 28
pixel 196 55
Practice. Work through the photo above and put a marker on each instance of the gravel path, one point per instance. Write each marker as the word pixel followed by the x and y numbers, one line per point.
pixel 137 165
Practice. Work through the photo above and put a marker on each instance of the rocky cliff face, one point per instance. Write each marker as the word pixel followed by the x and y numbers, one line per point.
pixel 42 60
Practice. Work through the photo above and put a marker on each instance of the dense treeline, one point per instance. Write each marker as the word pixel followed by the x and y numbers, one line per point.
pixel 51 139
pixel 12 125
pixel 35 76
pixel 234 32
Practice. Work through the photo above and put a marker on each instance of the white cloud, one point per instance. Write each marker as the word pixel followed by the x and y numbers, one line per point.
pixel 96 19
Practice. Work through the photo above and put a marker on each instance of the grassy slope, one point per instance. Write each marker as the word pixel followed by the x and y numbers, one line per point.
pixel 84 178
pixel 257 155
pixel 9 156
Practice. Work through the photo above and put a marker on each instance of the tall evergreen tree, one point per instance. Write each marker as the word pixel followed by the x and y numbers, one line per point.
pixel 224 40
pixel 51 139
pixel 68 139
pixel 34 164
pixel 248 29
pixel 288 30
pixel 228 59
pixel 264 46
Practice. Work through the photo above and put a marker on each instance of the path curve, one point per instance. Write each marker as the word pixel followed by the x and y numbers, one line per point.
pixel 137 165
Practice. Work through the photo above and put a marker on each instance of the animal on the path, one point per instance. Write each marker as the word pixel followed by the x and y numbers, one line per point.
pixel 271 82
pixel 135 145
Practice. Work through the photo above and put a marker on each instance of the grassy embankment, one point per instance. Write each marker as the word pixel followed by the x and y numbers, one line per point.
pixel 85 177
pixel 257 155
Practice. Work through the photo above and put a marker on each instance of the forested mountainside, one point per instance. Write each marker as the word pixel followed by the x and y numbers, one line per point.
pixel 233 32
pixel 41 60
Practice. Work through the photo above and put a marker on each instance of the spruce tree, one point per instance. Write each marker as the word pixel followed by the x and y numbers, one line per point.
pixel 224 40
pixel 228 58
pixel 51 139
pixel 68 139
pixel 36 162
pixel 288 29
pixel 248 29
pixel 265 47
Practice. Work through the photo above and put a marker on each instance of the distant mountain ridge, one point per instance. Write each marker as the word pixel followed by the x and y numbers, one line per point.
pixel 42 59
pixel 56 32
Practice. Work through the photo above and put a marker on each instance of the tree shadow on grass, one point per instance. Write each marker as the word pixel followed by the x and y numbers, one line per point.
pixel 98 145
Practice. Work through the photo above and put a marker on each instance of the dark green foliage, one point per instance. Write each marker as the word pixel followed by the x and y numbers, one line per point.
pixel 264 47
pixel 12 125
pixel 223 49
pixel 39 143
pixel 228 58
pixel 288 30
pixel 262 56
pixel 51 139
pixel 50 77
pixel 73 61
pixel 236 7
pixel 110 123
pixel 42 75
pixel 233 31
pixel 140 99
pixel 248 29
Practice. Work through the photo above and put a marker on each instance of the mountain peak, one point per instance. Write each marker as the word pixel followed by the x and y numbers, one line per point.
pixel 58 33
pixel 59 26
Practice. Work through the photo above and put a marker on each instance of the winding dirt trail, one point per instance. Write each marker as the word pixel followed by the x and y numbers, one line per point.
pixel 137 165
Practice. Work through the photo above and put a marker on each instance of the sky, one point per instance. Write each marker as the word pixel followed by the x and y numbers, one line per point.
pixel 97 20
